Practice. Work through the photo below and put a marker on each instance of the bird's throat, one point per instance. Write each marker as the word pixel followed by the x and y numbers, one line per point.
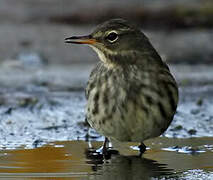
pixel 107 62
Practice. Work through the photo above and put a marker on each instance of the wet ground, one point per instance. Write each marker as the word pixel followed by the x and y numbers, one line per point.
pixel 43 135
pixel 42 82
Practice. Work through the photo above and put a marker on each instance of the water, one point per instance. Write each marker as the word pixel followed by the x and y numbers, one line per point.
pixel 71 160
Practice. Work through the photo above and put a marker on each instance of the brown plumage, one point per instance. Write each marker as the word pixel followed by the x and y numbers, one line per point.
pixel 132 96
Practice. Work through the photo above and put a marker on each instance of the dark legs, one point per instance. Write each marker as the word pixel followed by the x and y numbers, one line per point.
pixel 142 148
pixel 108 151
pixel 105 145
pixel 105 151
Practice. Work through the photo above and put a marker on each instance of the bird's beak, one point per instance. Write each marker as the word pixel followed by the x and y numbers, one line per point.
pixel 80 40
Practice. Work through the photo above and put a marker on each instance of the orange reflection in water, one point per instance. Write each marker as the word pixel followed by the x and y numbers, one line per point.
pixel 69 161
pixel 67 158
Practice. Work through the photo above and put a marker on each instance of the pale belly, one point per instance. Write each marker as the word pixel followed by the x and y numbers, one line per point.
pixel 131 106
pixel 123 118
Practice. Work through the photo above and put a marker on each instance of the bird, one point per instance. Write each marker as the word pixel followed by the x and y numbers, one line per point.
pixel 131 94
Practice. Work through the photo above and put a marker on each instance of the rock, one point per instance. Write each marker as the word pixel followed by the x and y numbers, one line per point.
pixel 192 131
pixel 199 102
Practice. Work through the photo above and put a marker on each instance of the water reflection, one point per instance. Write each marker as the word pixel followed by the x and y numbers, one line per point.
pixel 128 168
pixel 71 160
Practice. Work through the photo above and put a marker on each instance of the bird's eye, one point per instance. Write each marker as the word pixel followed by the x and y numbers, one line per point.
pixel 112 37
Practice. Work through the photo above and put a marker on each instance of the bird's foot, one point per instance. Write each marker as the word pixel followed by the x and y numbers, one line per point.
pixel 104 152
pixel 93 153
pixel 101 153
pixel 142 148
pixel 107 153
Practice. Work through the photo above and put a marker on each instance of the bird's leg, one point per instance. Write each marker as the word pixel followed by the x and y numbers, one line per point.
pixel 142 148
pixel 105 145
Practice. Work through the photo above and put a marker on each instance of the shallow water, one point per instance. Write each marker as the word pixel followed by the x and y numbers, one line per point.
pixel 165 158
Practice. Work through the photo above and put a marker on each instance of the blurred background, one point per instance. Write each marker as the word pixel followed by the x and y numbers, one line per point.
pixel 42 79
pixel 181 30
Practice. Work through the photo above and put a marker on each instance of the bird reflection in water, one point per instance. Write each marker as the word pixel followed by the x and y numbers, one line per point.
pixel 121 167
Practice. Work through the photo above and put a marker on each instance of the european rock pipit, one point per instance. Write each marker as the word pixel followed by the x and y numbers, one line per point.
pixel 132 96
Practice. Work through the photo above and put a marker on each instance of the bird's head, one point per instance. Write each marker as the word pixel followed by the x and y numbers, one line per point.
pixel 116 42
